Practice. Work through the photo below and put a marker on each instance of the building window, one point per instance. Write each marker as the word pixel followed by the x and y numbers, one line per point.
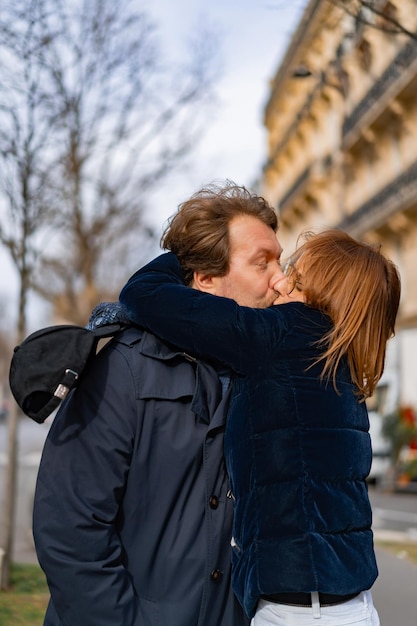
pixel 365 55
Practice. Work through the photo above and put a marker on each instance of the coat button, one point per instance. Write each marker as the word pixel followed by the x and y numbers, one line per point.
pixel 215 575
pixel 214 502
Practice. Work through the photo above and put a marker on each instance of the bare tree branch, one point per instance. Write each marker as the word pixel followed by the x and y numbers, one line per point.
pixel 388 22
pixel 125 122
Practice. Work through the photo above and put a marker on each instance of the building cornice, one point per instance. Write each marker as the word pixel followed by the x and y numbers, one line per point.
pixel 299 36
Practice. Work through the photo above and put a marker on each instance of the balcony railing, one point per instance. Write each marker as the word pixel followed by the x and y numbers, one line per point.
pixel 398 195
pixel 375 95
pixel 313 172
pixel 295 188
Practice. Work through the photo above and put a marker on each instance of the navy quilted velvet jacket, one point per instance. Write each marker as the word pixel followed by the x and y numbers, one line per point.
pixel 297 451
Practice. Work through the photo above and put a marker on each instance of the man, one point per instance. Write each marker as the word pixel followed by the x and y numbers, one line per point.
pixel 132 517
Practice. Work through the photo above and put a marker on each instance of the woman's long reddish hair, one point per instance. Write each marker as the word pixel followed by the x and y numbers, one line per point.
pixel 359 288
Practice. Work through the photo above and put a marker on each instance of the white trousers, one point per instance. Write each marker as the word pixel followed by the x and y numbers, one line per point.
pixel 359 611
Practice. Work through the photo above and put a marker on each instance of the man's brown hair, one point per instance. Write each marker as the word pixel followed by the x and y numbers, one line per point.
pixel 199 232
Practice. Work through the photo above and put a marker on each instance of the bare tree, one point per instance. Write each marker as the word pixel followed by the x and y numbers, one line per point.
pixel 25 209
pixel 379 14
pixel 92 120
pixel 125 120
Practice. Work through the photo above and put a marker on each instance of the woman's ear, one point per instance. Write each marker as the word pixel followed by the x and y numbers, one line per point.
pixel 204 282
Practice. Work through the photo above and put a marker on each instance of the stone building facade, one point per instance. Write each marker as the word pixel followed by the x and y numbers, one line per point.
pixel 342 148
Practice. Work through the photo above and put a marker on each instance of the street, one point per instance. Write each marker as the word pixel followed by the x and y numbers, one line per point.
pixel 395 518
pixel 395 590
pixel 394 514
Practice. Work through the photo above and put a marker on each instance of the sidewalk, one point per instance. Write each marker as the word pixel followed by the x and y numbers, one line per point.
pixel 395 590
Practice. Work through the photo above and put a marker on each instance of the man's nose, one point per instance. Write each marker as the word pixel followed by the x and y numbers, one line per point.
pixel 277 276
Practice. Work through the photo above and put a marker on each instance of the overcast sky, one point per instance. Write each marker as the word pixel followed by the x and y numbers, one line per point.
pixel 254 35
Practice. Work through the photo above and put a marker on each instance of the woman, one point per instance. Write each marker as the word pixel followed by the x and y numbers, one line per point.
pixel 297 445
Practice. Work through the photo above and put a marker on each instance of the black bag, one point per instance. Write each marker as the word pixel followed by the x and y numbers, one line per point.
pixel 49 362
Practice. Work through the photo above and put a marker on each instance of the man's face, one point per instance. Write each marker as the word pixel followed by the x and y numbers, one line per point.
pixel 254 264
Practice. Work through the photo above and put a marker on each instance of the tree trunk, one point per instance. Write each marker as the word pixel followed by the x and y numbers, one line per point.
pixel 10 496
pixel 10 492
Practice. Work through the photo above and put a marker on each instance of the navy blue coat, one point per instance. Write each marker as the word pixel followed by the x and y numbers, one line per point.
pixel 132 522
pixel 297 451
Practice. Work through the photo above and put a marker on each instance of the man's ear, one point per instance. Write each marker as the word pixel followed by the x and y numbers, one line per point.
pixel 203 282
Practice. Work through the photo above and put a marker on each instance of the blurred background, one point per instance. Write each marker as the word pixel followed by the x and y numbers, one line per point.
pixel 114 111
